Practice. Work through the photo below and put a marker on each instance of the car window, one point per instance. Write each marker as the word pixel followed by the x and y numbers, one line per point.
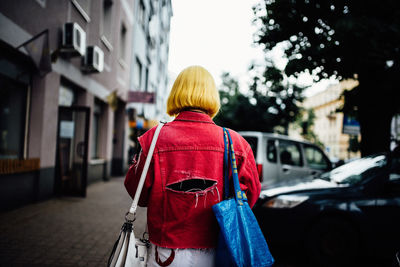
pixel 315 158
pixel 289 153
pixel 271 151
pixel 253 143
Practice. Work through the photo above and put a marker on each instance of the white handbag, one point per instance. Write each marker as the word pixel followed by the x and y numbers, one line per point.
pixel 128 250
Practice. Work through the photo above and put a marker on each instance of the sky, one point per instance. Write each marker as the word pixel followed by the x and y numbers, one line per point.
pixel 218 35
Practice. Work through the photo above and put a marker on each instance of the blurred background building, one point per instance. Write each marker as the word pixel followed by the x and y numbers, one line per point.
pixel 69 71
pixel 150 55
pixel 332 128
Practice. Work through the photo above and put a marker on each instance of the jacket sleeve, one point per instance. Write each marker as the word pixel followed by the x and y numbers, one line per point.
pixel 248 178
pixel 133 176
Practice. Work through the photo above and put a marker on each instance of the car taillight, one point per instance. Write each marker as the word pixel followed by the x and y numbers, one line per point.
pixel 259 169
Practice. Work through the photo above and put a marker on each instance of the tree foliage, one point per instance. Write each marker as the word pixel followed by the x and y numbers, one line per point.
pixel 258 109
pixel 342 39
pixel 306 124
pixel 238 111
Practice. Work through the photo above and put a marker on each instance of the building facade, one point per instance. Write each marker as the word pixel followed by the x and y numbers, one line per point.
pixel 149 80
pixel 64 94
pixel 328 124
pixel 150 57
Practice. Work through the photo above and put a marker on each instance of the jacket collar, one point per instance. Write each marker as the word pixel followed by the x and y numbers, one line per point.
pixel 194 117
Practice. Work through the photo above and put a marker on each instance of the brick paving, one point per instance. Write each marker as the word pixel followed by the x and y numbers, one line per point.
pixel 67 231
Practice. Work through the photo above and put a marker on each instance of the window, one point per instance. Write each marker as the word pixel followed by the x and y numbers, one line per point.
pixel 271 151
pixel 96 126
pixel 253 144
pixel 66 97
pixel 137 75
pixel 122 42
pixel 160 71
pixel 141 15
pixel 107 19
pixel 289 153
pixel 315 158
pixel 13 99
pixel 146 85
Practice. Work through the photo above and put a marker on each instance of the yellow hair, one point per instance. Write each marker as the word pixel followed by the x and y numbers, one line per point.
pixel 194 88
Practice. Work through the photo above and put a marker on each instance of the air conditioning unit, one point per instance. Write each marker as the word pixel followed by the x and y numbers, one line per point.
pixel 93 60
pixel 73 40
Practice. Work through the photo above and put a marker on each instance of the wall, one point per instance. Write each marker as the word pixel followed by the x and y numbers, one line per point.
pixel 20 20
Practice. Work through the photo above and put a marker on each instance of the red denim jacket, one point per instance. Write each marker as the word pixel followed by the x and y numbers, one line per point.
pixel 185 180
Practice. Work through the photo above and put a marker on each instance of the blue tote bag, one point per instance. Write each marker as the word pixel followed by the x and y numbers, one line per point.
pixel 241 242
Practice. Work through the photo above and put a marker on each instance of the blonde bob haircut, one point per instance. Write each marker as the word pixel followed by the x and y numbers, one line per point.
pixel 194 88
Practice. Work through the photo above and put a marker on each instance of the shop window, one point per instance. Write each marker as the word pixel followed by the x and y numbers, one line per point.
pixel 66 97
pixel 13 101
pixel 95 131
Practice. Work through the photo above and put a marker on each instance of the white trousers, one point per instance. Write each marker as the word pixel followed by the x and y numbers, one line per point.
pixel 183 257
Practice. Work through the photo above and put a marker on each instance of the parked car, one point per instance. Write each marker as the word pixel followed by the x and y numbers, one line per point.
pixel 344 217
pixel 336 162
pixel 281 159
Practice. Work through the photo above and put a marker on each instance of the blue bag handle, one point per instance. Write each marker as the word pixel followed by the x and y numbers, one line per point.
pixel 239 195
pixel 226 166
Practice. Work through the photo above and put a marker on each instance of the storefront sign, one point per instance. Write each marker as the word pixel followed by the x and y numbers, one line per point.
pixel 8 166
pixel 66 129
pixel 141 97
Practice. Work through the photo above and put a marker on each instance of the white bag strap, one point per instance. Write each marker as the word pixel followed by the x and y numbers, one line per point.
pixel 133 208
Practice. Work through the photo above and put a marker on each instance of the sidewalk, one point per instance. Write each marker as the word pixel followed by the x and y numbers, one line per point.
pixel 67 231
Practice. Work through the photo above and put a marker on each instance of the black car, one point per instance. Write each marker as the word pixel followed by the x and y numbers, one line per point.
pixel 349 216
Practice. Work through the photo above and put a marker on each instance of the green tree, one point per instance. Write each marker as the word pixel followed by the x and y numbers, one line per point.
pixel 240 111
pixel 306 124
pixel 342 39
pixel 262 108
pixel 283 96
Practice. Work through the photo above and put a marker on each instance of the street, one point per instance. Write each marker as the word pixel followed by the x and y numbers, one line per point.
pixel 66 231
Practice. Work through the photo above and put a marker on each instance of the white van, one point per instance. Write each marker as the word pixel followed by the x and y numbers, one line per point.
pixel 281 159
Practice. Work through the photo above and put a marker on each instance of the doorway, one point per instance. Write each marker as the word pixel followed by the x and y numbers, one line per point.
pixel 72 150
